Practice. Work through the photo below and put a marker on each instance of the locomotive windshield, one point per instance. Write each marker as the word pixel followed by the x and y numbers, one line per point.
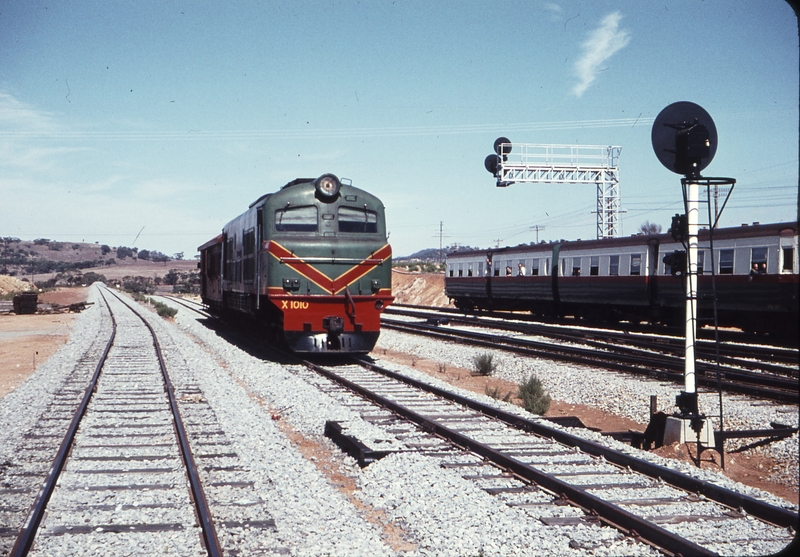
pixel 352 219
pixel 296 219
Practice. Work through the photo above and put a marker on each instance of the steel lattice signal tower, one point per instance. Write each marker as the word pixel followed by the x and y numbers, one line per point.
pixel 567 164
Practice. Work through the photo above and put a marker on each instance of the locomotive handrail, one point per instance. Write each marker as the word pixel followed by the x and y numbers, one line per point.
pixel 334 260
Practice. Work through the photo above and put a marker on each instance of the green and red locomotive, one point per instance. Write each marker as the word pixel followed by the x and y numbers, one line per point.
pixel 310 261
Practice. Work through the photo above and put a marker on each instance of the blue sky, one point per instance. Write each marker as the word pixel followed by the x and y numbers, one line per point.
pixel 170 118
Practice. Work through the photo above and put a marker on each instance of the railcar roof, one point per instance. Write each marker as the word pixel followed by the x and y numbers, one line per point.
pixel 745 230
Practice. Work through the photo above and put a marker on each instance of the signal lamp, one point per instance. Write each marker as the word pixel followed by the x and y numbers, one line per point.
pixel 679 228
pixel 502 146
pixel 491 162
pixel 327 186
pixel 677 262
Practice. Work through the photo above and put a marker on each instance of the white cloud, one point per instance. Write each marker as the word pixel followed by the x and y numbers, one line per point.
pixel 20 117
pixel 601 45
pixel 553 9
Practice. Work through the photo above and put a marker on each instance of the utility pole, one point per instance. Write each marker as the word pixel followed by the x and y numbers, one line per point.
pixel 441 235
pixel 537 228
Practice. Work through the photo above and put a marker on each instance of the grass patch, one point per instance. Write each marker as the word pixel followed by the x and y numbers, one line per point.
pixel 163 310
pixel 497 394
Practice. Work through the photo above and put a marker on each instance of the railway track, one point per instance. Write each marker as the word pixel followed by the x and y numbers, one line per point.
pixel 548 475
pixel 141 465
pixel 763 357
pixel 544 324
pixel 554 477
pixel 611 355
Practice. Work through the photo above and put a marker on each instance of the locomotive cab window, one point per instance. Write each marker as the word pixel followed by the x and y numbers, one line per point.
pixel 353 219
pixel 296 219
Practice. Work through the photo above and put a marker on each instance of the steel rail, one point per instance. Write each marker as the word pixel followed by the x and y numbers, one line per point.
pixel 754 507
pixel 24 541
pixel 622 362
pixel 731 353
pixel 547 323
pixel 609 513
pixel 210 537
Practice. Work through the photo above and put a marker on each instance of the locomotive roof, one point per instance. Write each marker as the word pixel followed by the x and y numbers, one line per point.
pixel 289 184
pixel 745 230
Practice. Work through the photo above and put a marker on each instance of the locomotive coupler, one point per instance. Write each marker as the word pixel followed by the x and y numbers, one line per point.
pixel 333 324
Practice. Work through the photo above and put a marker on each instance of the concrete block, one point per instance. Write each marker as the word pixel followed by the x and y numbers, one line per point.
pixel 679 430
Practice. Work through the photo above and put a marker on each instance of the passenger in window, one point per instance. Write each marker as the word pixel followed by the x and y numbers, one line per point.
pixel 753 272
pixel 521 269
pixel 762 269
pixel 488 266
pixel 508 271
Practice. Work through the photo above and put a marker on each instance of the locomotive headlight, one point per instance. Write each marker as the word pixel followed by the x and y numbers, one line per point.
pixel 328 186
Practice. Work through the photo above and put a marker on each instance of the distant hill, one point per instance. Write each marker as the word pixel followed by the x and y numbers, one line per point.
pixel 43 256
pixel 432 254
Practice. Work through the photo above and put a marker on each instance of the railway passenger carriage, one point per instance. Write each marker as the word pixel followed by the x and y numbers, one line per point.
pixel 628 279
pixel 310 261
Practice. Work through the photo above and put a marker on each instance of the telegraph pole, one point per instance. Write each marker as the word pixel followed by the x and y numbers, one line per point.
pixel 537 228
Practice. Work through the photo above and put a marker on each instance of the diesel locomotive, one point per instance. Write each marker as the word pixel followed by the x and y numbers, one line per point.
pixel 310 262
pixel 638 278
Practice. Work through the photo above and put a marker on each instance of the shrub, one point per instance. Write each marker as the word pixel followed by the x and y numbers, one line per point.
pixel 497 394
pixel 534 399
pixel 163 310
pixel 484 364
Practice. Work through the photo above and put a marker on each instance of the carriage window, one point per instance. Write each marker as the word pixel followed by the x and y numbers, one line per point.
pixel 352 219
pixel 636 264
pixel 296 219
pixel 758 256
pixel 576 266
pixel 461 269
pixel 726 262
pixel 469 269
pixel 701 261
pixel 535 267
pixel 594 268
pixel 788 260
pixel 613 265
pixel 564 267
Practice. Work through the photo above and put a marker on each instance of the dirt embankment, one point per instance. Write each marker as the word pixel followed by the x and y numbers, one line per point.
pixel 12 284
pixel 422 289
pixel 27 341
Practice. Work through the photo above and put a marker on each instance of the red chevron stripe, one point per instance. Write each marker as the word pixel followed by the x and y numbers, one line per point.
pixel 358 271
pixel 321 279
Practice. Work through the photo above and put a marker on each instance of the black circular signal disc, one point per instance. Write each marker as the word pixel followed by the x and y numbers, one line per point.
pixel 669 122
